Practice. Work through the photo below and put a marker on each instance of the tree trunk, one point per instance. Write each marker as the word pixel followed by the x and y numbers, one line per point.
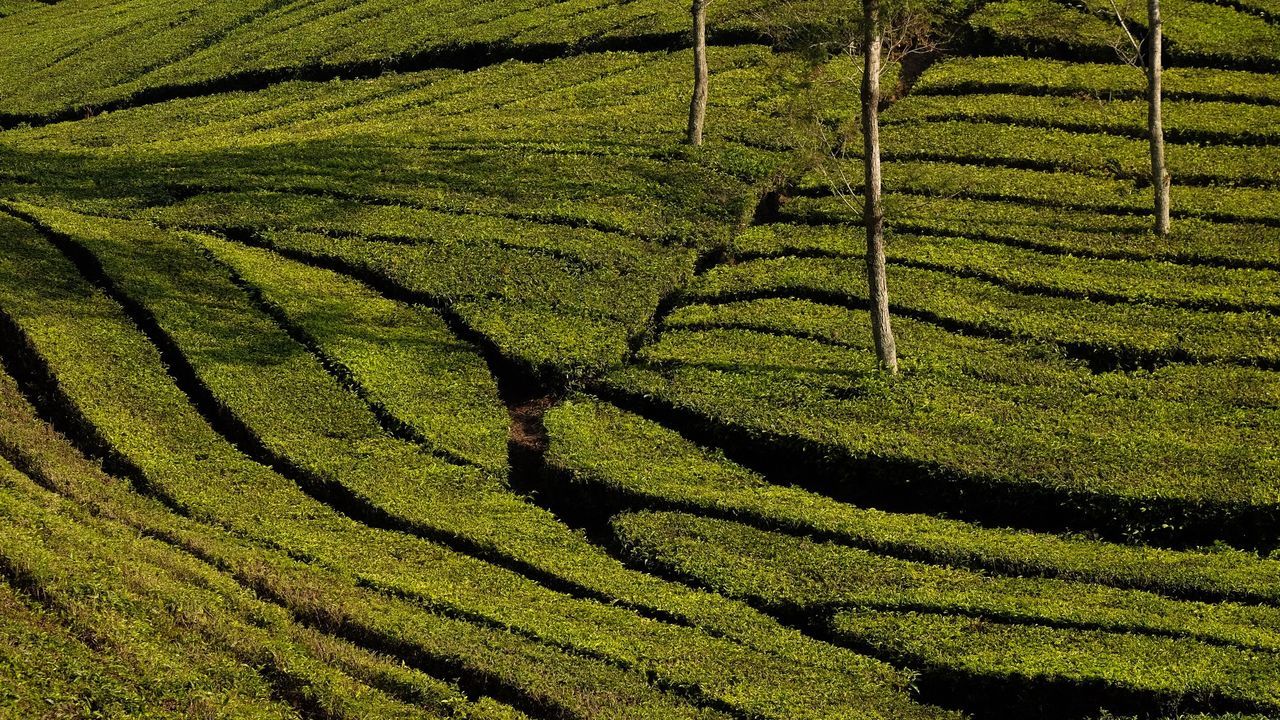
pixel 873 213
pixel 698 107
pixel 1160 179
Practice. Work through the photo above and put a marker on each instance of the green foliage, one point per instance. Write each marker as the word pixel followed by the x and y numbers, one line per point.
pixel 1199 33
pixel 51 673
pixel 1039 25
pixel 587 314
pixel 781 667
pixel 107 53
pixel 1207 33
pixel 1032 272
pixel 802 578
pixel 1052 229
pixel 538 217
pixel 289 296
pixel 625 454
pixel 623 103
pixel 509 140
pixel 1269 9
pixel 194 635
pixel 403 358
pixel 1126 629
pixel 1052 149
pixel 1202 121
pixel 970 649
pixel 13 7
pixel 538 674
pixel 1035 441
pixel 942 182
pixel 1034 76
pixel 1004 304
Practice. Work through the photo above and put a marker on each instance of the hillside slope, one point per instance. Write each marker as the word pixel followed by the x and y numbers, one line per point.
pixel 369 359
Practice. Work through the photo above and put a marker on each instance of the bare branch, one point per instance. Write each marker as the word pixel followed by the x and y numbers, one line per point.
pixel 1131 59
pixel 841 186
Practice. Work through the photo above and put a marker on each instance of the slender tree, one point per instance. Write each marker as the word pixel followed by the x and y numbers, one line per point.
pixel 873 207
pixel 1160 179
pixel 1154 69
pixel 891 33
pixel 698 106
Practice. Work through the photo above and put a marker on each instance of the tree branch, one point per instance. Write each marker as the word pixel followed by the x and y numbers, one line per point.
pixel 1133 41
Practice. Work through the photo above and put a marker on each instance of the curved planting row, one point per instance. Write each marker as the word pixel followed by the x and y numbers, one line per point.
pixel 277 329
pixel 66 61
pixel 1008 431
pixel 1188 122
pixel 1045 636
pixel 705 665
pixel 482 661
pixel 1009 219
pixel 1034 76
pixel 199 657
pixel 1216 213
pixel 646 464
pixel 1195 287
pixel 1080 624
pixel 982 298
pixel 1060 150
pixel 1199 33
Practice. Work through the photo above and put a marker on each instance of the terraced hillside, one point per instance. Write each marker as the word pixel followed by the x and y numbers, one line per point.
pixel 381 360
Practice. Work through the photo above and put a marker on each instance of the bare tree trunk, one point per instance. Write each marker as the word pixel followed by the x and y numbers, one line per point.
pixel 698 107
pixel 1160 179
pixel 873 213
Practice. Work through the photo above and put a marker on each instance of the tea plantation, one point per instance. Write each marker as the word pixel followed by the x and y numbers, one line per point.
pixel 369 359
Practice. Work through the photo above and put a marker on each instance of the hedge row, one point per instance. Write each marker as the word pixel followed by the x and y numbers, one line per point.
pixel 13 7
pixel 539 250
pixel 999 438
pixel 1039 76
pixel 675 201
pixel 620 453
pixel 552 161
pixel 447 272
pixel 1120 281
pixel 1267 8
pixel 192 636
pixel 256 41
pixel 450 243
pixel 945 180
pixel 1045 27
pixel 987 375
pixel 1109 334
pixel 1118 669
pixel 46 72
pixel 800 578
pixel 506 268
pixel 1206 33
pixel 313 425
pixel 1198 33
pixel 620 103
pixel 96 34
pixel 616 194
pixel 1204 121
pixel 580 248
pixel 403 358
pixel 486 660
pixel 586 318
pixel 779 676
pixel 50 672
pixel 1121 639
pixel 1051 149
pixel 1052 229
